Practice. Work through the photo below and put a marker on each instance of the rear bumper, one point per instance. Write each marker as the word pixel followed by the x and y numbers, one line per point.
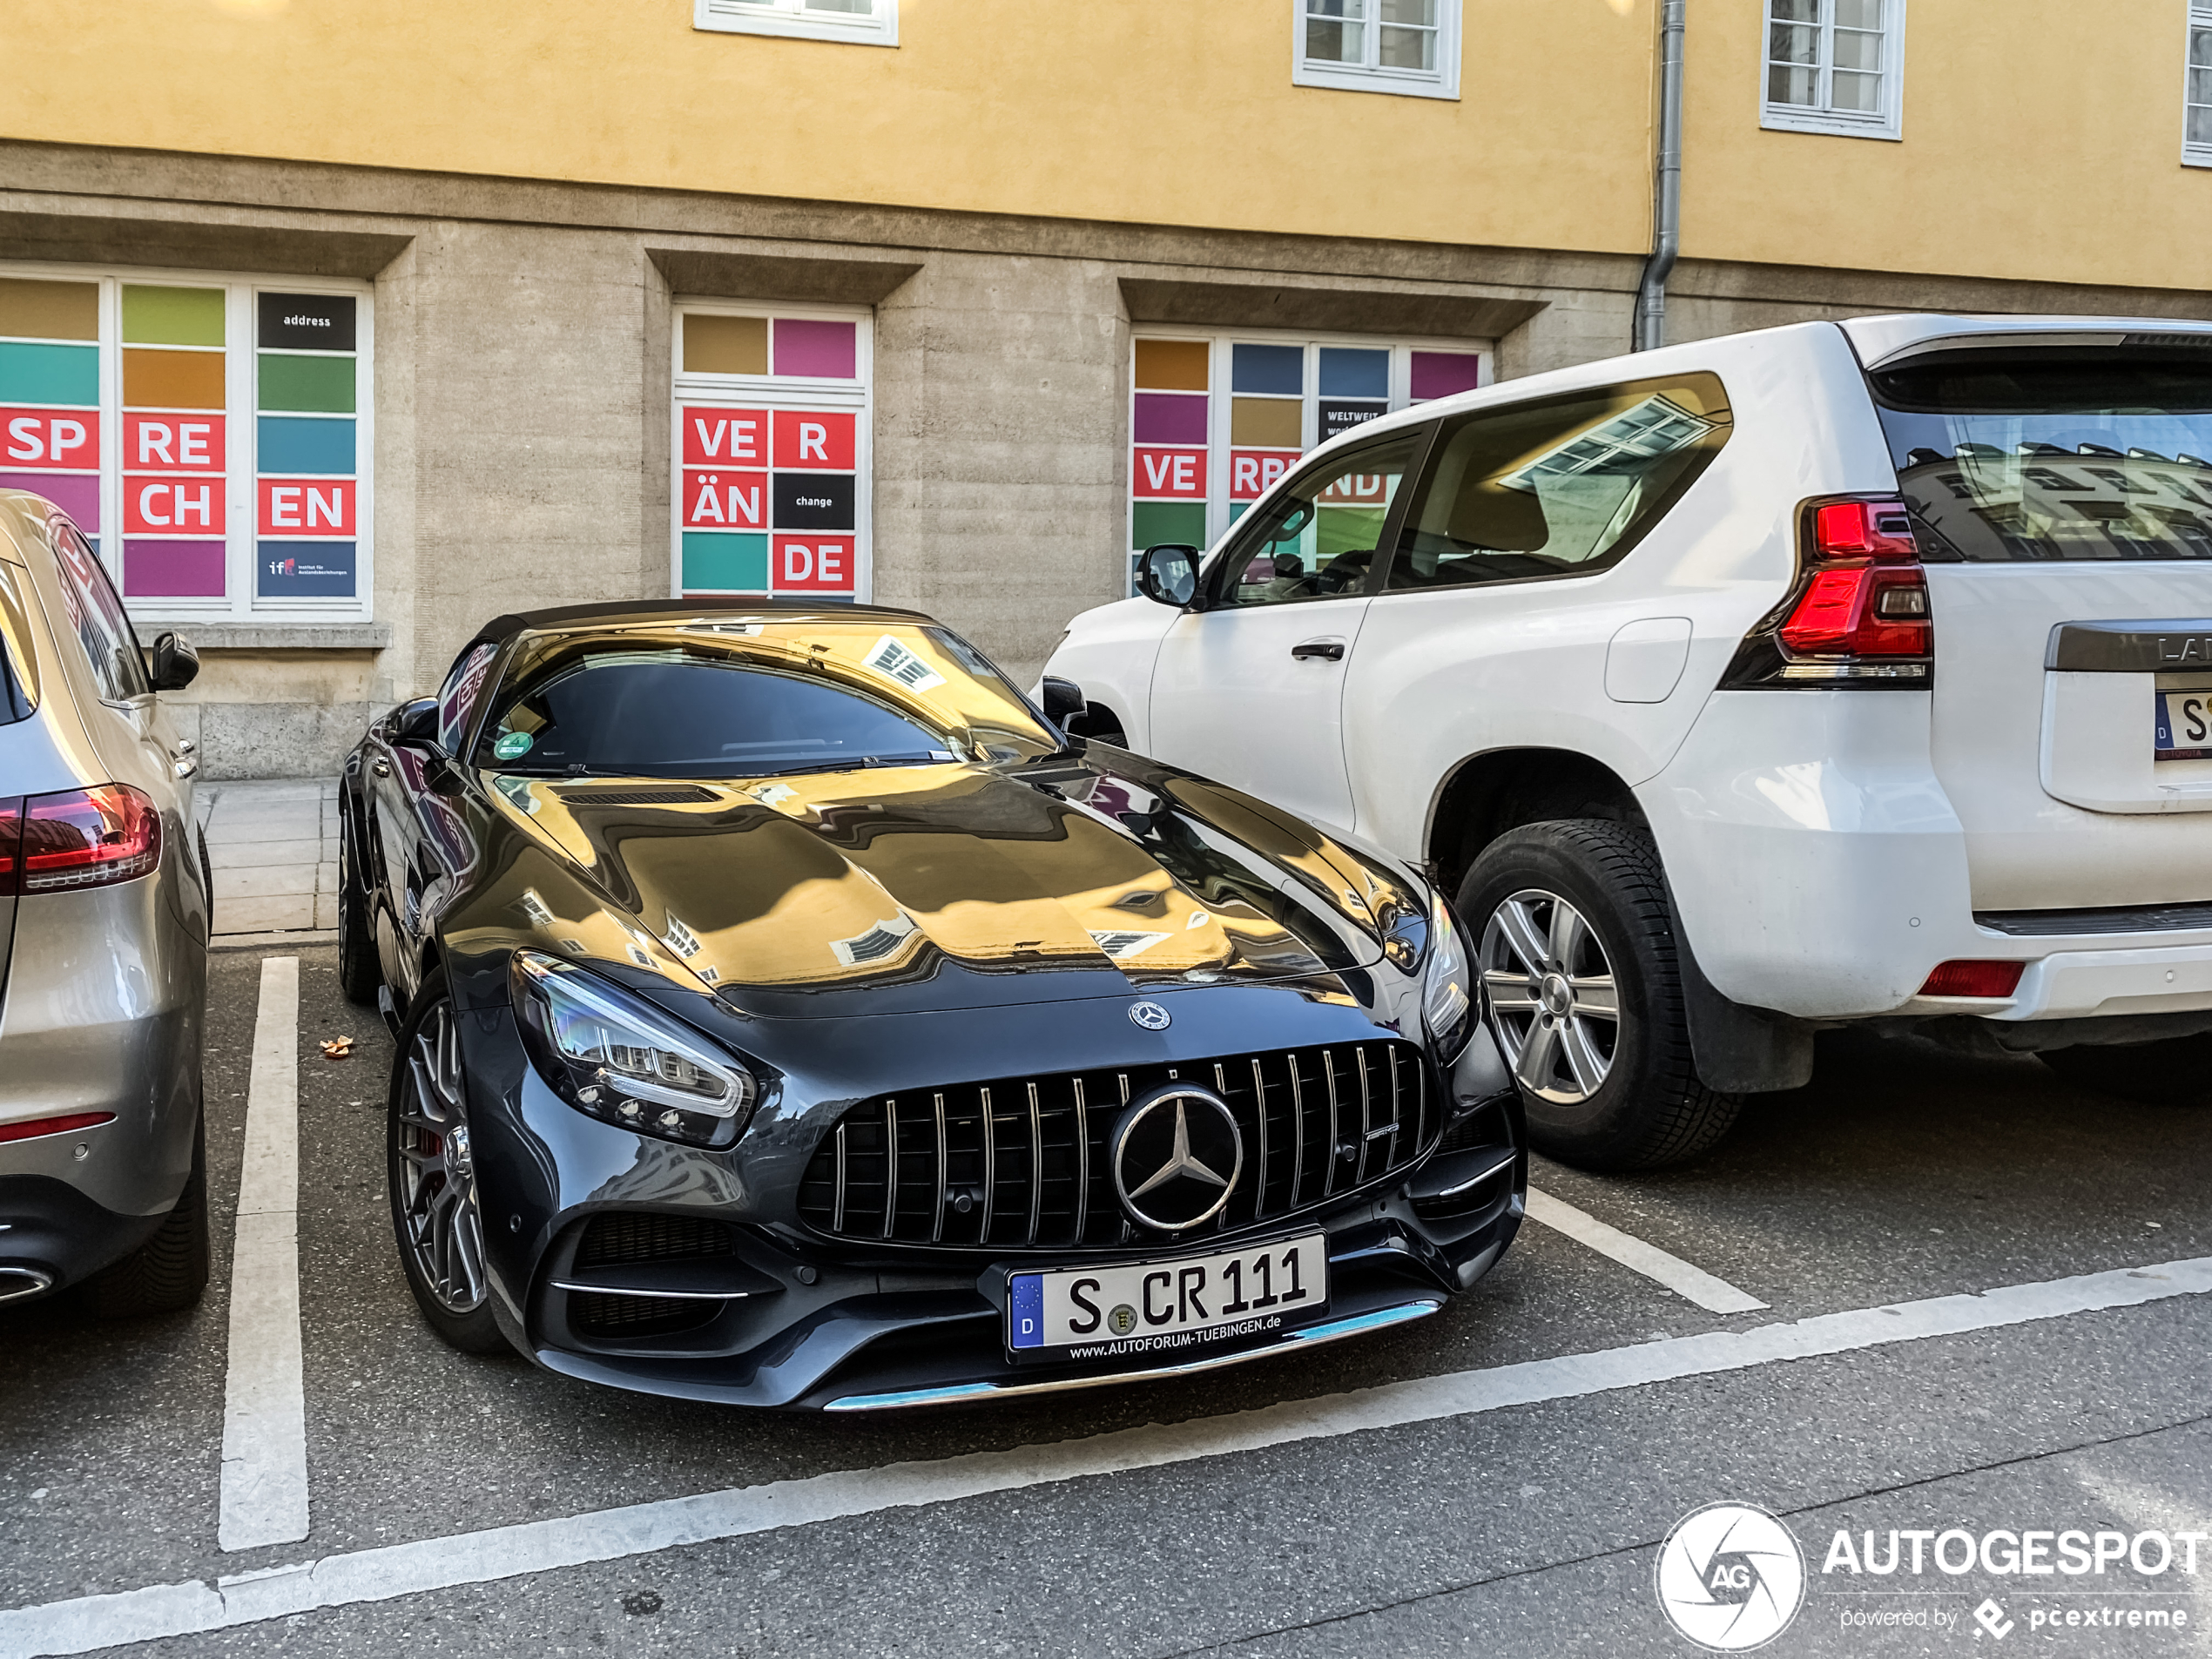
pixel 54 1236
pixel 105 998
pixel 1820 870
pixel 2104 984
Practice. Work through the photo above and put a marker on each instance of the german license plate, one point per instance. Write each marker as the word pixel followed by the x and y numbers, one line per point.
pixel 1163 1307
pixel 2184 726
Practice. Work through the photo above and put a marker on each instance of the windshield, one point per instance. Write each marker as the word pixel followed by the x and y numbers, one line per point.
pixel 754 699
pixel 2054 452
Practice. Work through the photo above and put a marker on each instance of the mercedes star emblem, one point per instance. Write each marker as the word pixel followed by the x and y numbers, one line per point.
pixel 1177 1153
pixel 1150 1015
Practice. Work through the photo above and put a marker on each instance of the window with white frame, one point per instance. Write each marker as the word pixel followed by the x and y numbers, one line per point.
pixel 1408 46
pixel 2196 95
pixel 1833 66
pixel 866 22
pixel 211 435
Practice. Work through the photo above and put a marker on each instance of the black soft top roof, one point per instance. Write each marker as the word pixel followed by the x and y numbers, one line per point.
pixel 622 613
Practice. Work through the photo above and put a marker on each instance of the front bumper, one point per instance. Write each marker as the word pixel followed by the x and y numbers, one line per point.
pixel 861 1341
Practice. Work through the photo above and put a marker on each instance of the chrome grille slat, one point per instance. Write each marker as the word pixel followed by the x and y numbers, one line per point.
pixel 1259 1102
pixel 1036 1163
pixel 1082 1161
pixel 890 1166
pixel 990 1167
pixel 937 1208
pixel 1059 1143
pixel 1336 1130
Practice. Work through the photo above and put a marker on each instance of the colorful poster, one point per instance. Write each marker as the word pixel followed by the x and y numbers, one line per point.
pixel 771 497
pixel 308 503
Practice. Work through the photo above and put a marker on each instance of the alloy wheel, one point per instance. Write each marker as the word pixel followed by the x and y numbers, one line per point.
pixel 1552 995
pixel 437 1168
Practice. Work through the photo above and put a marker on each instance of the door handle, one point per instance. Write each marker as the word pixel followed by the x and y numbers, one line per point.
pixel 381 766
pixel 1329 651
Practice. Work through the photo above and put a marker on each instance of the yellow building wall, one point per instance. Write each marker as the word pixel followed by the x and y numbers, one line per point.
pixel 2042 139
pixel 1162 111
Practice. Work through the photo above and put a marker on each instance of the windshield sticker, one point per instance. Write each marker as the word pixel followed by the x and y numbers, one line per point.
pixel 896 662
pixel 512 743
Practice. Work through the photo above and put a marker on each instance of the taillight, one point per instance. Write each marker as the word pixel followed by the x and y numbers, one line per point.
pixel 1991 978
pixel 1858 614
pixel 80 838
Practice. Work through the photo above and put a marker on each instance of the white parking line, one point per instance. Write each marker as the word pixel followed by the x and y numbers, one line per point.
pixel 1715 1295
pixel 163 1611
pixel 264 1414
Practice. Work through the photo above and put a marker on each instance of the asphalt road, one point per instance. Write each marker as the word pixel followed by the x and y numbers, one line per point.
pixel 1523 1514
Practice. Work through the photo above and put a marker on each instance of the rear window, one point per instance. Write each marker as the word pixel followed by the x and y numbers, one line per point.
pixel 2054 452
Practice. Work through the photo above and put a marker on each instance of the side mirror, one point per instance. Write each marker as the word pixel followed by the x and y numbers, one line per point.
pixel 1063 702
pixel 1168 574
pixel 416 722
pixel 176 665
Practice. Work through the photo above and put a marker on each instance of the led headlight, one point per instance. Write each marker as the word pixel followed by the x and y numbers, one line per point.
pixel 615 1056
pixel 1447 995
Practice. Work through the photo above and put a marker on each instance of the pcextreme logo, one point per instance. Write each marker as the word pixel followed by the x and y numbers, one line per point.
pixel 1731 1577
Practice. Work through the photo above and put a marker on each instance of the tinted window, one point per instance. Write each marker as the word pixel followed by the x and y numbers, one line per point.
pixel 1560 487
pixel 96 621
pixel 1315 539
pixel 753 700
pixel 2054 453
pixel 462 692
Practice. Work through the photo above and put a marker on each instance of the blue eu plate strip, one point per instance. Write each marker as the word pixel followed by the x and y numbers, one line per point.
pixel 1025 1310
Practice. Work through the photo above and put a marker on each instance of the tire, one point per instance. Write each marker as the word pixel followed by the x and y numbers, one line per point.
pixel 1598 1036
pixel 359 971
pixel 436 1221
pixel 169 1271
pixel 2175 1072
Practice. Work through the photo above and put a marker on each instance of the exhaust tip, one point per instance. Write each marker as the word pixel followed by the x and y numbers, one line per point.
pixel 15 1283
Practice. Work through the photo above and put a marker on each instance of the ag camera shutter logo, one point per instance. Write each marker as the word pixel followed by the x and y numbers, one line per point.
pixel 1731 1577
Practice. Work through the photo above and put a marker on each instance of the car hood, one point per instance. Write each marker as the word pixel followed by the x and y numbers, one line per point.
pixel 954 885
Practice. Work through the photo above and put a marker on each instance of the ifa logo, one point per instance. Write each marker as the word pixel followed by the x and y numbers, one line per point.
pixel 1731 1577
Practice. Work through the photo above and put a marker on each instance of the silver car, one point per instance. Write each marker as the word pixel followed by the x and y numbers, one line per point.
pixel 103 933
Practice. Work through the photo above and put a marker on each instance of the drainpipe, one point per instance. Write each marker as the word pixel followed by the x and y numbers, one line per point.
pixel 1666 206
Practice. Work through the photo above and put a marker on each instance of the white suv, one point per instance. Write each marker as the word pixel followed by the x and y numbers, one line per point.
pixel 1838 672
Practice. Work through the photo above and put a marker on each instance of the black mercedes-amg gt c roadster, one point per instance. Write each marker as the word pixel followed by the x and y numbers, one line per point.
pixel 791 1014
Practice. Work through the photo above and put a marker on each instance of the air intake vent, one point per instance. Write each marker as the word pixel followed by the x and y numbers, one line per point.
pixel 606 1315
pixel 673 795
pixel 1021 1162
pixel 622 1236
pixel 2172 342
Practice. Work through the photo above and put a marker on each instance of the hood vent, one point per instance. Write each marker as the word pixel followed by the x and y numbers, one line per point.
pixel 670 795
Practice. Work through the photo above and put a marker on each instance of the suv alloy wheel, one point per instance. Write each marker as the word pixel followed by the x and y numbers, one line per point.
pixel 1578 960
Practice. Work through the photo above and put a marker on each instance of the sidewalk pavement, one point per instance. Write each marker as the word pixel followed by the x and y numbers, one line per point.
pixel 274 847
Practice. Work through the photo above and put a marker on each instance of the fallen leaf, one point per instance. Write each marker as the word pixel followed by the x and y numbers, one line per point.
pixel 337 1048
